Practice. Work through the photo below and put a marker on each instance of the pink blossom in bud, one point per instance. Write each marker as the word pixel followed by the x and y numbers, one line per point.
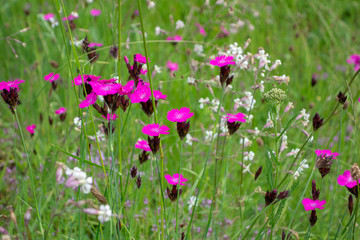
pixel 201 29
pixel 140 58
pixel 223 60
pixel 95 12
pixel 347 180
pixel 175 179
pixel 48 16
pixel 126 59
pixel 90 100
pixel 112 117
pixel 59 172
pixel 61 110
pixel 310 204
pixel 79 80
pixel 172 66
pixel 51 77
pixel 155 129
pixel 239 117
pixel 31 128
pixel 179 115
pixel 144 145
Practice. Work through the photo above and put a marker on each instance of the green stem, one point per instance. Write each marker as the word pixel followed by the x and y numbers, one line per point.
pixel 178 186
pixel 356 210
pixel 30 173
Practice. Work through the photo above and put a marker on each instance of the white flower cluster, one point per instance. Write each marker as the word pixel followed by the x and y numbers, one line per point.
pixel 247 102
pixel 188 140
pixel 199 49
pixel 208 135
pixel 305 116
pixel 78 178
pixel 237 52
pixel 179 24
pixel 203 101
pixel 104 213
pixel 301 168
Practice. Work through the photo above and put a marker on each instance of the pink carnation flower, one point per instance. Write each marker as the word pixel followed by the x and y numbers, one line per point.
pixel 105 89
pixel 172 66
pixel 95 44
pixel 144 145
pixel 174 38
pixel 127 88
pixel 239 117
pixel 48 16
pixel 223 60
pixel 90 100
pixel 201 29
pixel 181 115
pixel 326 153
pixel 85 78
pixel 111 117
pixel 346 180
pixel 70 17
pixel 175 179
pixel 159 95
pixel 95 12
pixel 310 204
pixel 61 110
pixel 141 94
pixel 51 77
pixel 155 129
pixel 354 59
pixel 140 58
pixel 11 84
pixel 31 128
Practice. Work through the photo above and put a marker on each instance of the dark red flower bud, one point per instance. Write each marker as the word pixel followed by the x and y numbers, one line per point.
pixel 138 182
pixel 154 144
pixel 114 51
pixel 350 204
pixel 283 195
pixel 143 157
pixel 258 172
pixel 313 218
pixel 315 192
pixel 317 122
pixel 270 197
pixel 133 172
pixel 341 97
pixel 233 127
pixel 183 129
pixel 174 193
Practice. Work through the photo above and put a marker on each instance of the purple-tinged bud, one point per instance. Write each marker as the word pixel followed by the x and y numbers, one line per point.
pixel 133 172
pixel 126 59
pixel 283 195
pixel 72 182
pixel 317 122
pixel 258 172
pixel 91 211
pixel 27 216
pixel 315 192
pixel 138 182
pixel 313 218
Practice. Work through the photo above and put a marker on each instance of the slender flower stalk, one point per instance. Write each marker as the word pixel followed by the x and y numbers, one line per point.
pixel 178 185
pixel 30 173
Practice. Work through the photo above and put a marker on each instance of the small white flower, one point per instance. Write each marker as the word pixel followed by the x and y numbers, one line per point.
pixel 89 1
pixel 191 202
pixel 198 49
pixel 77 122
pixel 104 213
pixel 157 30
pixel 188 140
pixel 208 135
pixel 202 101
pixel 179 24
pixel 191 80
pixel 151 4
pixel 157 69
pixel 249 156
pixel 86 185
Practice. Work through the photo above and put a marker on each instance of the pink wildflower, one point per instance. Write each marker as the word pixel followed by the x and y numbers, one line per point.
pixel 48 16
pixel 95 12
pixel 179 115
pixel 346 180
pixel 354 59
pixel 326 153
pixel 105 89
pixel 31 129
pixel 172 66
pixel 51 77
pixel 141 94
pixel 223 60
pixel 140 58
pixel 175 179
pixel 90 100
pixel 11 84
pixel 174 38
pixel 112 117
pixel 201 29
pixel 71 17
pixel 85 78
pixel 61 110
pixel 159 95
pixel 127 88
pixel 95 44
pixel 310 204
pixel 144 145
pixel 155 129
pixel 239 117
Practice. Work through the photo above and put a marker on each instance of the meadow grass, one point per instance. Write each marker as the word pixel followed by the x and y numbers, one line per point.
pixel 221 199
